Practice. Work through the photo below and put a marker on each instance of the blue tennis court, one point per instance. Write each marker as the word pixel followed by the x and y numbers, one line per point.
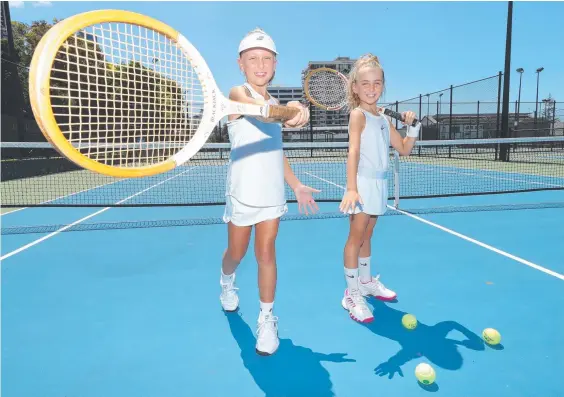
pixel 129 304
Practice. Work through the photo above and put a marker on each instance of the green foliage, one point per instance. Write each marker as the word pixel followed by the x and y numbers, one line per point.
pixel 93 97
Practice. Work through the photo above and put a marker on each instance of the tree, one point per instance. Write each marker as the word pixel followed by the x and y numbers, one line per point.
pixel 549 112
pixel 549 108
pixel 146 103
pixel 26 38
pixel 95 98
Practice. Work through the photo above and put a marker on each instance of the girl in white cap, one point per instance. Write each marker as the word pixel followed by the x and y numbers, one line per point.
pixel 370 136
pixel 255 184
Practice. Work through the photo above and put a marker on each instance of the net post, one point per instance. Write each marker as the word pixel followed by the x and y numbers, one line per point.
pixel 311 124
pixel 422 126
pixel 396 179
pixel 420 109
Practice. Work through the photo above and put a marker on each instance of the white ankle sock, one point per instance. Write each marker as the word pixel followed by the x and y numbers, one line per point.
pixel 266 309
pixel 226 278
pixel 364 270
pixel 351 275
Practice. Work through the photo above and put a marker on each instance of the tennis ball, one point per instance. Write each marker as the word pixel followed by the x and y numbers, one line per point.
pixel 491 336
pixel 425 373
pixel 409 321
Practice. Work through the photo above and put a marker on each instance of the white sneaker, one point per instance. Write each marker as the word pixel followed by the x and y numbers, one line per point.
pixel 357 307
pixel 267 335
pixel 375 288
pixel 229 298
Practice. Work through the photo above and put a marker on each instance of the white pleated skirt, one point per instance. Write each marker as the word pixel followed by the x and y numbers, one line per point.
pixel 245 215
pixel 374 195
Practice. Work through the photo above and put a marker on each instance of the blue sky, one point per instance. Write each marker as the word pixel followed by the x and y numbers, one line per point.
pixel 423 46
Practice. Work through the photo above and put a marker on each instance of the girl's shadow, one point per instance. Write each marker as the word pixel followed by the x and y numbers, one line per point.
pixel 292 371
pixel 433 342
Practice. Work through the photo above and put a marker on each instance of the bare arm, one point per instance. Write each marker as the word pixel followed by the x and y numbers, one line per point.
pixel 356 125
pixel 239 94
pixel 289 176
pixel 303 193
pixel 404 145
pixel 351 197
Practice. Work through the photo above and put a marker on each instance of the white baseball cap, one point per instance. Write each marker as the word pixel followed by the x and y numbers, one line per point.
pixel 257 38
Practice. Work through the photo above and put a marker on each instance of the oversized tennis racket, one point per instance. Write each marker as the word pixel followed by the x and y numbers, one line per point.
pixel 125 95
pixel 326 89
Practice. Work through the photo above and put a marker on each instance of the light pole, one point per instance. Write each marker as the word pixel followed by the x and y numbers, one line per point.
pixel 520 71
pixel 537 98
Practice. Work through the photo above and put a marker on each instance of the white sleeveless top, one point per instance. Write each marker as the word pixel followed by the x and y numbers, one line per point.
pixel 374 146
pixel 255 175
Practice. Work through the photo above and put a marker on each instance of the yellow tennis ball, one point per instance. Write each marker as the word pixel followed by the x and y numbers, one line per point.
pixel 491 336
pixel 409 321
pixel 425 373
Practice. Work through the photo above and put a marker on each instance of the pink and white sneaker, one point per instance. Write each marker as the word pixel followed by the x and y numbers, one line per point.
pixel 376 289
pixel 356 305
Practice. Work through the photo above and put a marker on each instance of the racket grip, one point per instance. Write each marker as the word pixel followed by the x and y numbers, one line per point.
pixel 282 112
pixel 398 116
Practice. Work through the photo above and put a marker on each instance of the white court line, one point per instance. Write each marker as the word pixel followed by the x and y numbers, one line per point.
pixel 521 181
pixel 483 245
pixel 462 236
pixel 23 248
pixel 16 210
pixel 503 179
pixel 35 242
pixel 492 176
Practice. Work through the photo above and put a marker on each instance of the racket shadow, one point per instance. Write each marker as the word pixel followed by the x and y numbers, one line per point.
pixel 432 342
pixel 293 371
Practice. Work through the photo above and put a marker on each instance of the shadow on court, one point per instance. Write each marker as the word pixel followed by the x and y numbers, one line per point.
pixel 293 371
pixel 437 343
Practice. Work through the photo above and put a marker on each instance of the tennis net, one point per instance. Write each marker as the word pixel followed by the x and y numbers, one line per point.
pixel 35 174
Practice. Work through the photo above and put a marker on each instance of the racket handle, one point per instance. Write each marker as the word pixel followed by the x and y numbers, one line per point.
pixel 282 112
pixel 398 116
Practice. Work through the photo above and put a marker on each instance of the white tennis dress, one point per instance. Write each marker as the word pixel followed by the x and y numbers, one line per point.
pixel 373 164
pixel 255 177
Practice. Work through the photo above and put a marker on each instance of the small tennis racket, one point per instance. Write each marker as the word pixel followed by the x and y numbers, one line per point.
pixel 125 95
pixel 326 89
